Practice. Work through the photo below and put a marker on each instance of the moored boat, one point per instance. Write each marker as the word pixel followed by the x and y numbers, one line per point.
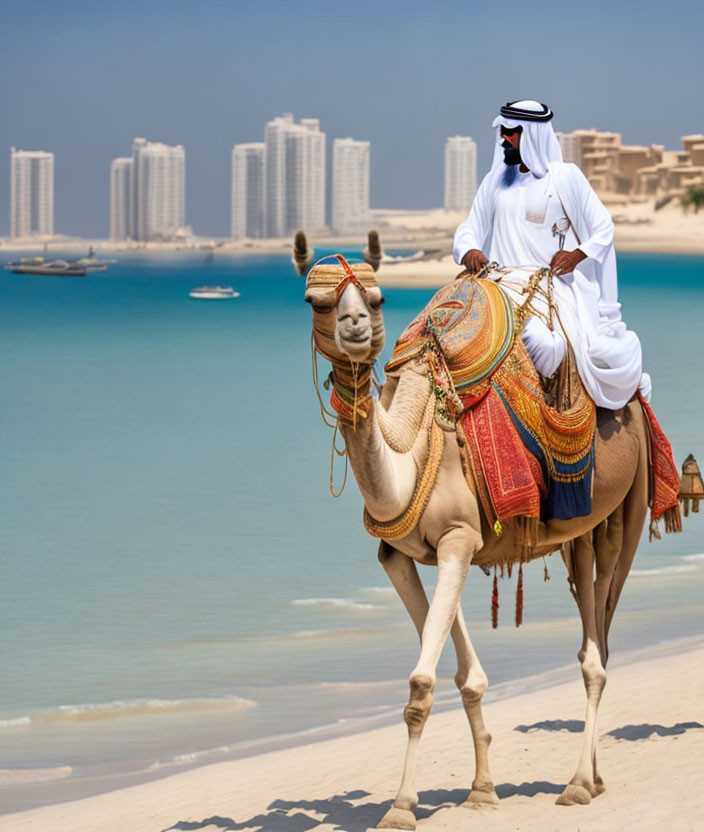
pixel 38 265
pixel 213 292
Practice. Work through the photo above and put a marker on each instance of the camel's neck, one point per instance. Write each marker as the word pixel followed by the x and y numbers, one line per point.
pixel 385 473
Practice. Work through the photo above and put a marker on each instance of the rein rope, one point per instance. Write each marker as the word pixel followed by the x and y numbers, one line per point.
pixel 347 379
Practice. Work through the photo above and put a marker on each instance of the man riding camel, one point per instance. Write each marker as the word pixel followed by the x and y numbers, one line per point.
pixel 533 210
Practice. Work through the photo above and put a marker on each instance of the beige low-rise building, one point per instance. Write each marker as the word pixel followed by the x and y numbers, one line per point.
pixel 624 173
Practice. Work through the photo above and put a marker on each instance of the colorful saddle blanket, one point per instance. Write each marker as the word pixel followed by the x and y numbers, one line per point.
pixel 523 458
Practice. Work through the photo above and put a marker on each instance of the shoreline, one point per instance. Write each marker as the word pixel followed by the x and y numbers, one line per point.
pixel 640 707
pixel 59 789
pixel 429 272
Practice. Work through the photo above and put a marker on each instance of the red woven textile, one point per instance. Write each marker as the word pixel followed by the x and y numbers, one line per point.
pixel 665 480
pixel 508 478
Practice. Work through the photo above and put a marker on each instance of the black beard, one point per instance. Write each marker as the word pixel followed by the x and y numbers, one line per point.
pixel 509 175
pixel 512 155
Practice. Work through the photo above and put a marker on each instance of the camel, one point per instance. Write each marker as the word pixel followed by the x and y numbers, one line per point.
pixel 390 443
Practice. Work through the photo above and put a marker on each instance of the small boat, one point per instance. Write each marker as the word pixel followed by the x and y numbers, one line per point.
pixel 213 292
pixel 91 262
pixel 38 265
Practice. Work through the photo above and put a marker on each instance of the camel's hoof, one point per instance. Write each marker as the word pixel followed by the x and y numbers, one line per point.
pixel 574 794
pixel 481 798
pixel 398 819
pixel 599 787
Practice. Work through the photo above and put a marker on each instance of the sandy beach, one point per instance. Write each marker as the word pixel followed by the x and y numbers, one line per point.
pixel 651 751
pixel 639 228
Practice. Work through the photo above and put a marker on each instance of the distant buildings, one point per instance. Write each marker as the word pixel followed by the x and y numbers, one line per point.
pixel 248 191
pixel 460 172
pixel 120 190
pixel 305 177
pixel 350 185
pixel 290 167
pixel 148 193
pixel 31 193
pixel 629 172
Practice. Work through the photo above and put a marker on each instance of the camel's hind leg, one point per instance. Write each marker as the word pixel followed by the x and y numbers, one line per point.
pixel 582 786
pixel 434 623
pixel 635 510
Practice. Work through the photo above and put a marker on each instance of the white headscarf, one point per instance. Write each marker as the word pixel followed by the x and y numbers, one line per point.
pixel 538 145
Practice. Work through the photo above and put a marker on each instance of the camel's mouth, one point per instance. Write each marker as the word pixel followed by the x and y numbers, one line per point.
pixel 357 344
pixel 357 339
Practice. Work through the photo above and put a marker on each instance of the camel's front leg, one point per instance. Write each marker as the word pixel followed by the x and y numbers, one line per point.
pixel 582 786
pixel 470 678
pixel 454 555
pixel 472 683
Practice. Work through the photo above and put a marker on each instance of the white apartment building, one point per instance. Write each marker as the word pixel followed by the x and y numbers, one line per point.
pixel 120 184
pixel 305 177
pixel 350 185
pixel 148 192
pixel 248 191
pixel 161 177
pixel 460 173
pixel 275 141
pixel 31 193
pixel 295 175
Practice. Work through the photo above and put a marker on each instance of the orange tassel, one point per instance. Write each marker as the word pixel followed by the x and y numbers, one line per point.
pixel 495 603
pixel 519 597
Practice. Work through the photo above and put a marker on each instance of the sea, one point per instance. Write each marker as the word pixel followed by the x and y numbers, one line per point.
pixel 177 584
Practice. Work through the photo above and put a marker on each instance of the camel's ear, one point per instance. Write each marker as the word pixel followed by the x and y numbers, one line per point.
pixel 372 254
pixel 302 255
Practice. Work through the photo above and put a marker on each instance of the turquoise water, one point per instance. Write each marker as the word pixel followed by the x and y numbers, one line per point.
pixel 175 575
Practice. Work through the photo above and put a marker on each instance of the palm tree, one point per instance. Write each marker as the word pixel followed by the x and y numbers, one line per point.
pixel 693 197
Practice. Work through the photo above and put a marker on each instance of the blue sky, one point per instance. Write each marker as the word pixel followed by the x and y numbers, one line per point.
pixel 83 78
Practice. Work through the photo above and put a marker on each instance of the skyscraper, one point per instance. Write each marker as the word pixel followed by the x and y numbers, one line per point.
pixel 350 184
pixel 31 193
pixel 249 190
pixel 305 177
pixel 120 189
pixel 295 175
pixel 152 186
pixel 460 173
pixel 275 141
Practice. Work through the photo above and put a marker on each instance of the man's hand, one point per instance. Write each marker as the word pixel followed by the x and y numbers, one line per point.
pixel 474 260
pixel 565 262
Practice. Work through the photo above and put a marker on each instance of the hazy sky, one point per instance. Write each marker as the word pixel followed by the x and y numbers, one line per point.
pixel 83 78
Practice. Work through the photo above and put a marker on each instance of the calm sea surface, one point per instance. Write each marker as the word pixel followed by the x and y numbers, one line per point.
pixel 177 583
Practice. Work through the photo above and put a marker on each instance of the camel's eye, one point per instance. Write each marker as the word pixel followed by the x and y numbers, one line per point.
pixel 319 306
pixel 376 304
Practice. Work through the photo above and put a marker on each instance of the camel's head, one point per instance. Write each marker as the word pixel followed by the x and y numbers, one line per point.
pixel 347 318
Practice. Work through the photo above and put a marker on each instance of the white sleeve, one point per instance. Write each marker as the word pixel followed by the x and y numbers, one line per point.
pixel 597 221
pixel 474 231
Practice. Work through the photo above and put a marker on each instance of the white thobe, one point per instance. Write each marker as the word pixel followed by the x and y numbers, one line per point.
pixel 514 227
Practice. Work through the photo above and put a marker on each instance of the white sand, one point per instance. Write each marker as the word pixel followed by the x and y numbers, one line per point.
pixel 638 228
pixel 653 774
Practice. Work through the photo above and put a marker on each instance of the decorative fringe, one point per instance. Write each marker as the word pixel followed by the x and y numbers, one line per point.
pixel 519 597
pixel 527 534
pixel 495 603
pixel 673 523
pixel 673 519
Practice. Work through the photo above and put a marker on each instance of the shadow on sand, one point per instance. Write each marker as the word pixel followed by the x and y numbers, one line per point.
pixel 642 732
pixel 341 811
pixel 627 732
